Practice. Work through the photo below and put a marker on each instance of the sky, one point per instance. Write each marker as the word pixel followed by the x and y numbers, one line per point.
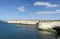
pixel 29 9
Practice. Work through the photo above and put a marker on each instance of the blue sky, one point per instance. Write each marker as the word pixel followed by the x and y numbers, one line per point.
pixel 30 9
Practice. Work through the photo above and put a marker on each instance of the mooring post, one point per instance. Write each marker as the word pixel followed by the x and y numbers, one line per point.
pixel 37 24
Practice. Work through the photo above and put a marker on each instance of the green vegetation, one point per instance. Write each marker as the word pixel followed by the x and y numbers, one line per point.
pixel 49 30
pixel 24 24
pixel 28 24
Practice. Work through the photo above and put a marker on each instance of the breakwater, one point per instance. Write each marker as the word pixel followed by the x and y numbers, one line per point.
pixel 42 24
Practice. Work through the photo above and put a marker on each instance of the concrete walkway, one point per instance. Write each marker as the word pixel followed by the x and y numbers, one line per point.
pixel 46 35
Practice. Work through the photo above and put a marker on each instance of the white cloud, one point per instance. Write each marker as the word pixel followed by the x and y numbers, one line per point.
pixel 48 12
pixel 45 12
pixel 46 4
pixel 57 10
pixel 21 8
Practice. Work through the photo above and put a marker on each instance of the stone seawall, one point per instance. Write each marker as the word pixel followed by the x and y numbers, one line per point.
pixel 43 24
pixel 48 24
pixel 23 21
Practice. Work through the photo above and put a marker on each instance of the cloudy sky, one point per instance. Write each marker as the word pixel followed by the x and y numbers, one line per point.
pixel 30 9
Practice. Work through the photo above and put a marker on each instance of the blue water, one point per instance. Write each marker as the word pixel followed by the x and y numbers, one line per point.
pixel 13 31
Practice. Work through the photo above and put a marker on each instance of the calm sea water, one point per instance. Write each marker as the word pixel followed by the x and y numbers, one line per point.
pixel 13 31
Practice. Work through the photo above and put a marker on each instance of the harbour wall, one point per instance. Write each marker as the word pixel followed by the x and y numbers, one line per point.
pixel 42 24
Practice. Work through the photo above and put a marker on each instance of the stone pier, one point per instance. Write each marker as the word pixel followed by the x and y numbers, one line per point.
pixel 42 24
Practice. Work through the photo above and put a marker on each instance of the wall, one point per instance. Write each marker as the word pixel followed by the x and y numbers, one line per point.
pixel 43 24
pixel 23 21
pixel 48 24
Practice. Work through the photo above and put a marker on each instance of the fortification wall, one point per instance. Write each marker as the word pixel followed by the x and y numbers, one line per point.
pixel 49 24
pixel 43 24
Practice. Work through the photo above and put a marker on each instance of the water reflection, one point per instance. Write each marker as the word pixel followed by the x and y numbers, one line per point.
pixel 13 31
pixel 27 32
pixel 46 35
